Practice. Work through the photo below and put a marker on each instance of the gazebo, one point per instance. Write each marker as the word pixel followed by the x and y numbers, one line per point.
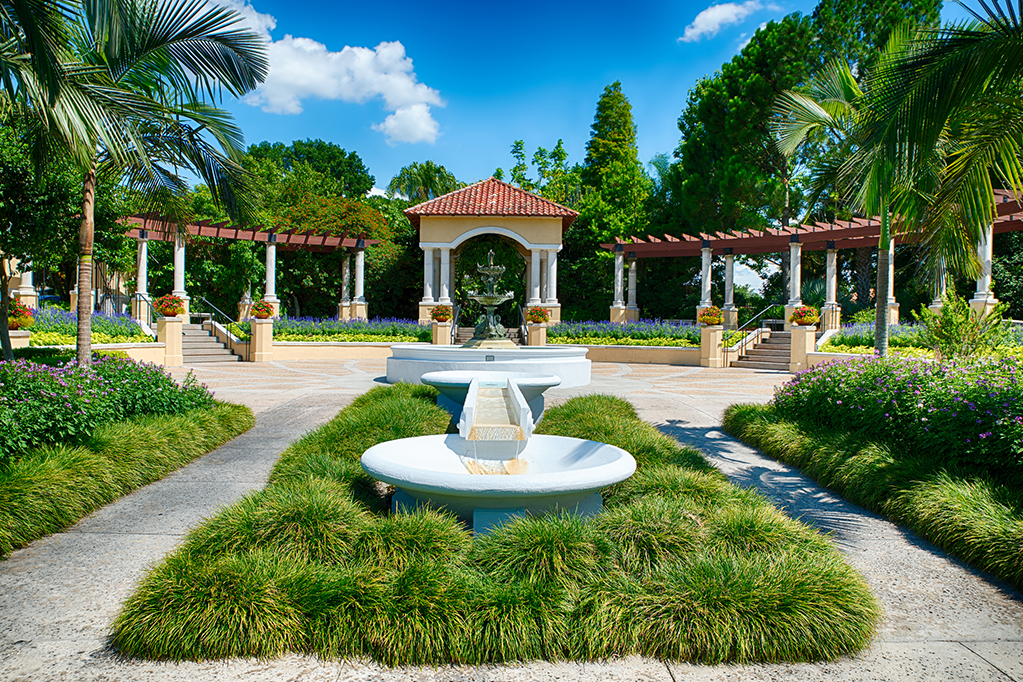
pixel 819 236
pixel 533 224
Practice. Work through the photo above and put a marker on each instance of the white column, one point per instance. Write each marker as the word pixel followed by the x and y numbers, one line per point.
pixel 706 255
pixel 427 275
pixel 26 291
pixel 619 277
pixel 543 276
pixel 552 276
pixel 142 266
pixel 534 279
pixel 831 288
pixel 179 266
pixel 445 275
pixel 346 278
pixel 360 276
pixel 891 272
pixel 795 274
pixel 632 284
pixel 940 284
pixel 985 251
pixel 270 290
pixel 729 282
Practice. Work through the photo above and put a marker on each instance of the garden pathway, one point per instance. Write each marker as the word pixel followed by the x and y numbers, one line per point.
pixel 59 595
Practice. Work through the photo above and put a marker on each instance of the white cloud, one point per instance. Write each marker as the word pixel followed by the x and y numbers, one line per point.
pixel 714 18
pixel 301 68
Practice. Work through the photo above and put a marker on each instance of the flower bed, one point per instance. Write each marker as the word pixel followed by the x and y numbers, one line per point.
pixel 45 404
pixel 56 327
pixel 970 412
pixel 312 329
pixel 641 333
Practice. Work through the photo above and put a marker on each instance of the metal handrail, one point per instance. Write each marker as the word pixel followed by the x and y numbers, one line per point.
pixel 457 314
pixel 725 347
pixel 523 329
pixel 227 321
pixel 147 324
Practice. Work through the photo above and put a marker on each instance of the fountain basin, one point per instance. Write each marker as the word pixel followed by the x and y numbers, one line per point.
pixel 409 362
pixel 454 386
pixel 559 472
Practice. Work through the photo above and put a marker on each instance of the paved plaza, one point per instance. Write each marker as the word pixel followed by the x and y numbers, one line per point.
pixel 943 621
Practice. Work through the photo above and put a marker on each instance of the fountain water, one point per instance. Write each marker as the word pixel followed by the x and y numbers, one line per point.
pixel 495 468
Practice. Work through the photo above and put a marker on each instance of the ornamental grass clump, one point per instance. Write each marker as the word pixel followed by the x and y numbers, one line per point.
pixel 681 565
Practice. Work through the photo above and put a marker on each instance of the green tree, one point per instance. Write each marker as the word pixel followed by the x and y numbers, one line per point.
pixel 420 182
pixel 345 167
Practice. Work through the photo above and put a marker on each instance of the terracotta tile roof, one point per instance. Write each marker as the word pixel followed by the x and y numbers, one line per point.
pixel 491 197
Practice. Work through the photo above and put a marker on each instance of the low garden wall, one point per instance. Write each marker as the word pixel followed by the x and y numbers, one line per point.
pixel 655 355
pixel 333 350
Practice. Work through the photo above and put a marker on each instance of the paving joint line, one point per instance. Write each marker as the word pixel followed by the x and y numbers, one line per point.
pixel 981 657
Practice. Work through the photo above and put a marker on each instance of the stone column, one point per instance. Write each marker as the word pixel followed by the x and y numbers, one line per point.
pixel 270 289
pixel 543 275
pixel 984 300
pixel 27 293
pixel 360 309
pixel 940 286
pixel 832 313
pixel 618 305
pixel 534 277
pixel 706 259
pixel 632 309
pixel 552 305
pixel 445 275
pixel 795 279
pixel 139 310
pixel 427 275
pixel 893 307
pixel 168 332
pixel 729 311
pixel 262 340
pixel 344 306
pixel 179 272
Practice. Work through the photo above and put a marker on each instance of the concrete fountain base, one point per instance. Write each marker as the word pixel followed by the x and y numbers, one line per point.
pixel 410 362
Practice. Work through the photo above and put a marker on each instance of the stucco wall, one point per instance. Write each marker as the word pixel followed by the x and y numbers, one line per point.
pixel 297 350
pixel 654 355
pixel 446 229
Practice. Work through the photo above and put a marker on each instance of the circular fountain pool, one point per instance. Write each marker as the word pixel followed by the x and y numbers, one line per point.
pixel 409 362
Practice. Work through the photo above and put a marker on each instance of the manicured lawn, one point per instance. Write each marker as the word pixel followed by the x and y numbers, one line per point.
pixel 933 447
pixel 681 565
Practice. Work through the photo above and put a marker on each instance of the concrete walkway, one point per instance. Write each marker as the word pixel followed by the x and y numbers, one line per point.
pixel 58 596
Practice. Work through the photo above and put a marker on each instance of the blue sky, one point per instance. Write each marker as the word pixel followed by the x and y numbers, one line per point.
pixel 457 83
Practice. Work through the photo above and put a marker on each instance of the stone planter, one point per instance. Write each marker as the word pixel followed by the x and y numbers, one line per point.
pixel 262 340
pixel 804 341
pixel 537 333
pixel 711 350
pixel 168 332
pixel 442 333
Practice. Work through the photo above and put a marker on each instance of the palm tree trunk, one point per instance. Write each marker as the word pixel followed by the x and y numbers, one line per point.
pixel 5 309
pixel 881 311
pixel 85 240
pixel 863 275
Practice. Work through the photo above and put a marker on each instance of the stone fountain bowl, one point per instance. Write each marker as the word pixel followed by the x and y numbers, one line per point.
pixel 454 386
pixel 560 472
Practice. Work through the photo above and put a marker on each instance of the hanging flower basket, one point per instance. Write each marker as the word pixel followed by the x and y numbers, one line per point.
pixel 538 315
pixel 711 316
pixel 805 316
pixel 169 305
pixel 441 313
pixel 261 310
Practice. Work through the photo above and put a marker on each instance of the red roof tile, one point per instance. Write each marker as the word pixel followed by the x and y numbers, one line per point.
pixel 491 197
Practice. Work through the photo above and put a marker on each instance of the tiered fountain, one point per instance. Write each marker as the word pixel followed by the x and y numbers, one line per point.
pixel 489 349
pixel 495 468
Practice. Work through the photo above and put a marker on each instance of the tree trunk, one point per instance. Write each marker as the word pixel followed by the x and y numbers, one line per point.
pixel 85 240
pixel 5 309
pixel 863 275
pixel 881 311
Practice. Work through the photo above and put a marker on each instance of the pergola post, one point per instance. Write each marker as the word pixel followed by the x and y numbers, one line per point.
pixel 706 258
pixel 984 300
pixel 359 307
pixel 893 307
pixel 179 272
pixel 631 309
pixel 832 313
pixel 795 279
pixel 940 286
pixel 139 309
pixel 729 311
pixel 270 289
pixel 344 307
pixel 428 302
pixel 445 275
pixel 26 290
pixel 618 304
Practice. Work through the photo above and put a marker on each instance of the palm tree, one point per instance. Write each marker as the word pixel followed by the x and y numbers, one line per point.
pixel 144 72
pixel 420 182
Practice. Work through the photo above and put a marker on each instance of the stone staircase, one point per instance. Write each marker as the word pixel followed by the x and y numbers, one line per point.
pixel 198 346
pixel 464 335
pixel 773 353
